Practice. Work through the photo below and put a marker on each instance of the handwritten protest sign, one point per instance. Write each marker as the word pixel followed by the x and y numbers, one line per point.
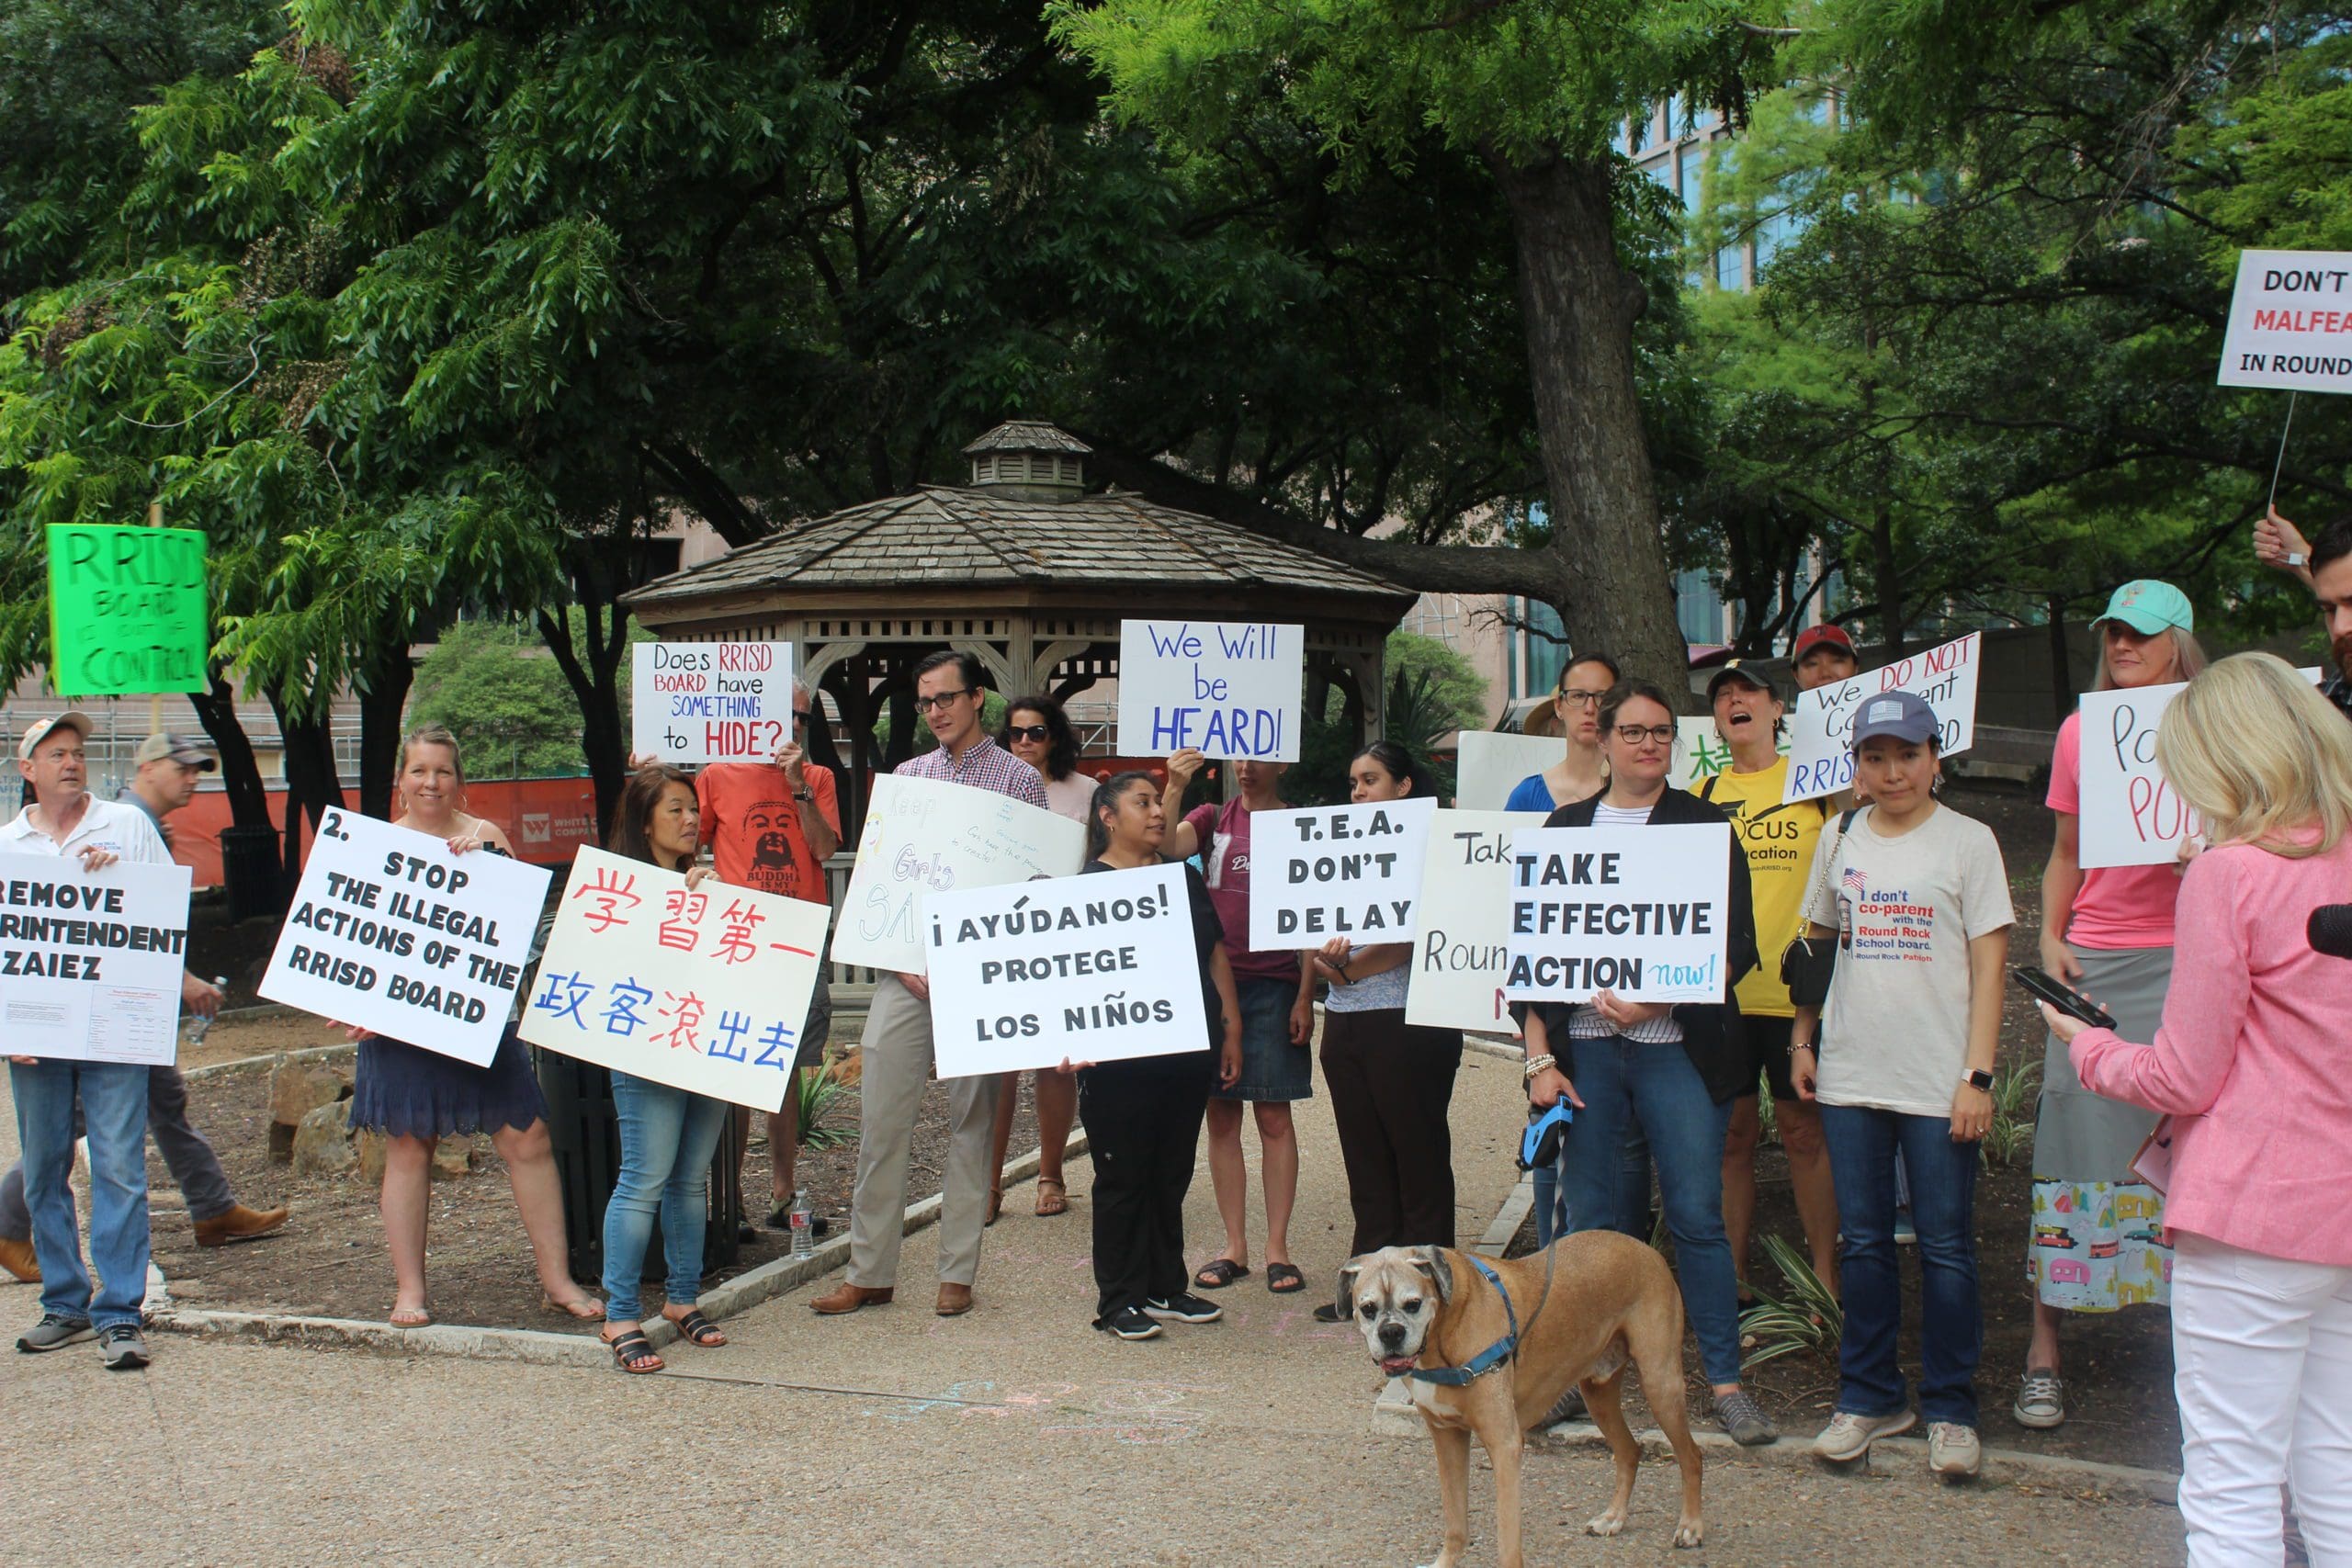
pixel 710 702
pixel 1699 753
pixel 2291 322
pixel 1639 911
pixel 392 931
pixel 1231 688
pixel 924 836
pixel 1350 871
pixel 1821 727
pixel 2131 815
pixel 1097 969
pixel 702 988
pixel 1488 765
pixel 129 612
pixel 91 961
pixel 1459 954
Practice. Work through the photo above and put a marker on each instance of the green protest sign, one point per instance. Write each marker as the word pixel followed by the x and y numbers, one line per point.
pixel 128 611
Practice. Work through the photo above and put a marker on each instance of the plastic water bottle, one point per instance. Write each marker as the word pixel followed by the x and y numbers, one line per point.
pixel 797 1219
pixel 198 1025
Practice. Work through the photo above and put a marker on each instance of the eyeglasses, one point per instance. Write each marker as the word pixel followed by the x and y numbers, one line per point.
pixel 1634 733
pixel 924 705
pixel 1576 698
pixel 1036 732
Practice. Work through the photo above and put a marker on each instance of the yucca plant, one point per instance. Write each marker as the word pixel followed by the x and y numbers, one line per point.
pixel 817 1095
pixel 1806 1317
pixel 2017 1095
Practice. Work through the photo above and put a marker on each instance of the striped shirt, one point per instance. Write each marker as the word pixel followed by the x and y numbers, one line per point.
pixel 984 765
pixel 1586 1023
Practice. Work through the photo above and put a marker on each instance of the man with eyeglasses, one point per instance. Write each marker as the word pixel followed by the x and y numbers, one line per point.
pixel 771 826
pixel 950 689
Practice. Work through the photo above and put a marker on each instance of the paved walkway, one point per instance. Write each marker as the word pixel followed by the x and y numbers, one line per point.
pixel 1016 1435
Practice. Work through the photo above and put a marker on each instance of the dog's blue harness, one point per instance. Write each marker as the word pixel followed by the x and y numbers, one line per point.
pixel 1487 1360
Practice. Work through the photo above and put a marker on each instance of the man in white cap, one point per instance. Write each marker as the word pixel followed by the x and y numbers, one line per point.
pixel 168 767
pixel 64 818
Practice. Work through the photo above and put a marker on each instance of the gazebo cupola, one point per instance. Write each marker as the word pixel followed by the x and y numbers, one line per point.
pixel 1028 459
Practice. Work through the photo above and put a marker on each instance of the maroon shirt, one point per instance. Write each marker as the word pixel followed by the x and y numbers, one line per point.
pixel 1223 833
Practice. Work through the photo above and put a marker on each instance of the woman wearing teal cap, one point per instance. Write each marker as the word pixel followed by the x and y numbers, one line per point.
pixel 2108 932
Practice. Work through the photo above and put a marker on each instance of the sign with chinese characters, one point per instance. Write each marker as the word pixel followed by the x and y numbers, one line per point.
pixel 1098 968
pixel 924 836
pixel 704 988
pixel 393 932
pixel 710 702
pixel 91 961
pixel 1699 753
pixel 1465 921
pixel 1350 871
pixel 1233 689
pixel 1641 912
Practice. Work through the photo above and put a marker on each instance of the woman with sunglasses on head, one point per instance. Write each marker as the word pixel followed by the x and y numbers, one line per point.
pixel 1576 705
pixel 1039 733
pixel 1671 1069
pixel 1391 1083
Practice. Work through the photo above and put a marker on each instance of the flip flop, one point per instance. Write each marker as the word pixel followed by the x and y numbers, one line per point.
pixel 411 1317
pixel 1054 1202
pixel 697 1329
pixel 633 1353
pixel 1219 1272
pixel 1284 1280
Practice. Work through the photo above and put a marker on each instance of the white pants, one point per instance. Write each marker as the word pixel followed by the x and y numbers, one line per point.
pixel 2262 1350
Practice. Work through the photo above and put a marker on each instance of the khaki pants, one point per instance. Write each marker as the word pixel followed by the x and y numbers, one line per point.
pixel 896 1064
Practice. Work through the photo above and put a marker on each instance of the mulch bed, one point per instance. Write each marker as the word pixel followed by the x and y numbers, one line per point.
pixel 330 1259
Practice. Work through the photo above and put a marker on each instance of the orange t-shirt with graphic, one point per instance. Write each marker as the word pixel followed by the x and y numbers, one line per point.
pixel 752 825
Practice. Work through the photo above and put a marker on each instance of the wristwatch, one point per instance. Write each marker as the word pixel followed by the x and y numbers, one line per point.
pixel 2298 558
pixel 804 795
pixel 1977 1077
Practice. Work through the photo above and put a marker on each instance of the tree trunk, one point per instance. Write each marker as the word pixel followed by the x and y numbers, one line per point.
pixel 1605 567
pixel 1893 619
pixel 383 698
pixel 594 682
pixel 2061 673
pixel 240 780
pixel 312 782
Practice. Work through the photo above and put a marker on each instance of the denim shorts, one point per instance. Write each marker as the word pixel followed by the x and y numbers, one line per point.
pixel 1271 1067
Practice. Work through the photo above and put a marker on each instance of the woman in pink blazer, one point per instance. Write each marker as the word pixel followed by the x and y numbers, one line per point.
pixel 2252 1070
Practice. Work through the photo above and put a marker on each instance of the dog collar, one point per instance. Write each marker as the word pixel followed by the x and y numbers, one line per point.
pixel 1486 1360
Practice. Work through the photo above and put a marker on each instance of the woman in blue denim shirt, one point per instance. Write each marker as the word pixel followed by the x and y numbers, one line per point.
pixel 668 1136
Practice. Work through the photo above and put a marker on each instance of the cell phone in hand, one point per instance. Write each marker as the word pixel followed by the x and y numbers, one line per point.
pixel 2063 997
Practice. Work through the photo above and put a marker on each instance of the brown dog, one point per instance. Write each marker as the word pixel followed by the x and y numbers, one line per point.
pixel 1612 1301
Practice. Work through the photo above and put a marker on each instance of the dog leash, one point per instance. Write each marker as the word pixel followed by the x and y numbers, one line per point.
pixel 1502 1349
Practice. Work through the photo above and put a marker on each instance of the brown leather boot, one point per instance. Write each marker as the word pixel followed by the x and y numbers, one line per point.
pixel 846 1297
pixel 240 1223
pixel 16 1257
pixel 955 1301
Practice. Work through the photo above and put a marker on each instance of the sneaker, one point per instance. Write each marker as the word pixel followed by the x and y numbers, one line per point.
pixel 1183 1309
pixel 123 1347
pixel 1905 1233
pixel 2041 1399
pixel 1129 1323
pixel 54 1332
pixel 1744 1419
pixel 1848 1436
pixel 1952 1450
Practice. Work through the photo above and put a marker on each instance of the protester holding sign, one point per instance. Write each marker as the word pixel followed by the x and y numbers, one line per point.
pixel 414 1097
pixel 1902 1057
pixel 2108 932
pixel 1391 1083
pixel 2255 1151
pixel 1671 1070
pixel 1038 732
pixel 1143 1115
pixel 668 1136
pixel 2325 567
pixel 62 819
pixel 1580 774
pixel 950 688
pixel 1779 839
pixel 1277 1020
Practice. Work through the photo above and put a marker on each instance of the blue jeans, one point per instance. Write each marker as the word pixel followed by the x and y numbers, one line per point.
pixel 1552 1194
pixel 1653 1091
pixel 1863 1144
pixel 114 1110
pixel 668 1137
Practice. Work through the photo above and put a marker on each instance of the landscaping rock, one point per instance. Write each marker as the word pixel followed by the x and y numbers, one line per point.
pixel 452 1157
pixel 323 1141
pixel 295 1090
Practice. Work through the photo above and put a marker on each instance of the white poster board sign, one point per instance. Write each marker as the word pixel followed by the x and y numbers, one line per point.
pixel 1821 727
pixel 1098 969
pixel 394 934
pixel 2131 815
pixel 91 961
pixel 1458 956
pixel 2291 322
pixel 1643 912
pixel 692 703
pixel 1490 764
pixel 924 836
pixel 1233 689
pixel 702 988
pixel 1350 871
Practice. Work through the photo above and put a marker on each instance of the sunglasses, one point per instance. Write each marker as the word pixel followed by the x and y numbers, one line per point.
pixel 1036 732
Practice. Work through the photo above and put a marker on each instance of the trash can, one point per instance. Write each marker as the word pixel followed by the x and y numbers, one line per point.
pixel 586 1134
pixel 249 867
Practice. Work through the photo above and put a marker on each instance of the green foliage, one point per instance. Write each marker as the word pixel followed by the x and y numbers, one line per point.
pixel 1805 1317
pixel 1433 692
pixel 500 694
pixel 2016 1100
pixel 819 1098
